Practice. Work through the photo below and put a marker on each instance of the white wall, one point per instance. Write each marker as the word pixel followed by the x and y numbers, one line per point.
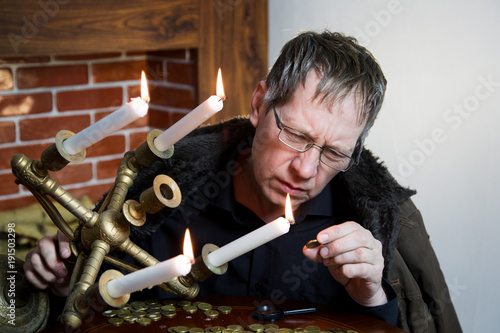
pixel 438 131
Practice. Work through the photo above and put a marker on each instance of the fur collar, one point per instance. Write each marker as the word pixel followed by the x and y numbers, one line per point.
pixel 371 193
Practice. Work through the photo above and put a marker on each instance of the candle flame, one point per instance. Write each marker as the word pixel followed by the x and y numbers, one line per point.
pixel 220 86
pixel 144 88
pixel 288 210
pixel 188 247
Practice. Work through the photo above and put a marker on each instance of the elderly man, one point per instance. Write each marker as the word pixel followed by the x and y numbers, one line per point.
pixel 304 137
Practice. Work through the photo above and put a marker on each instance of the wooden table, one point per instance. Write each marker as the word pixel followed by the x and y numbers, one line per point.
pixel 242 308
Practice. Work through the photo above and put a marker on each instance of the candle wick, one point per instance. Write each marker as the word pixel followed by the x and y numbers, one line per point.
pixel 222 99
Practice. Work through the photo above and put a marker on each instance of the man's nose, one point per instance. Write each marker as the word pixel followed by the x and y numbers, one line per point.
pixel 306 164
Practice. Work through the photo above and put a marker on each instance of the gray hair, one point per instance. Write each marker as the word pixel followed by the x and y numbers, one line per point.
pixel 344 66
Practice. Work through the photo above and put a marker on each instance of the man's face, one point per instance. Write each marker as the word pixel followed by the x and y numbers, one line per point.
pixel 278 169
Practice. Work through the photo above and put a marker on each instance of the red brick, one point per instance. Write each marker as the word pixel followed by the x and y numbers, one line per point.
pixel 7 132
pixel 6 80
pixel 24 104
pixel 89 99
pixel 20 202
pixel 47 127
pixel 92 56
pixel 136 139
pixel 107 169
pixel 181 73
pixel 155 71
pixel 94 192
pixel 73 174
pixel 32 151
pixel 52 76
pixel 24 60
pixel 8 184
pixel 177 98
pixel 118 71
pixel 159 118
pixel 111 145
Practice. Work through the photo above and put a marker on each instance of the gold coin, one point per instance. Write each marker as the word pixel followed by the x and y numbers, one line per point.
pixel 171 330
pixel 299 330
pixel 216 329
pixel 115 321
pixel 169 313
pixel 109 313
pixel 190 308
pixel 313 244
pixel 211 313
pixel 138 304
pixel 181 329
pixel 125 315
pixel 228 331
pixel 153 310
pixel 183 303
pixel 272 326
pixel 154 316
pixel 225 309
pixel 314 329
pixel 204 306
pixel 256 327
pixel 196 330
pixel 284 330
pixel 168 307
pixel 139 313
pixel 269 330
pixel 143 321
pixel 236 328
pixel 131 319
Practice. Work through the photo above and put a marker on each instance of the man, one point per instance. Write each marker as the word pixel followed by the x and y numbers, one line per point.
pixel 304 137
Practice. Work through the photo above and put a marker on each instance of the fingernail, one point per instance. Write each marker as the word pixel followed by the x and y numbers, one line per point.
pixel 323 238
pixel 61 273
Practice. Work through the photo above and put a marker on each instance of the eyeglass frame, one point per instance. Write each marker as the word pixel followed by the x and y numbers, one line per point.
pixel 280 126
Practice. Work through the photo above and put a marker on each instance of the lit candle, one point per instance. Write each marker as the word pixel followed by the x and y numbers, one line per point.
pixel 154 275
pixel 254 239
pixel 133 110
pixel 193 119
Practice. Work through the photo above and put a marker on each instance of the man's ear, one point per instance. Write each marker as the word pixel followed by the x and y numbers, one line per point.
pixel 257 107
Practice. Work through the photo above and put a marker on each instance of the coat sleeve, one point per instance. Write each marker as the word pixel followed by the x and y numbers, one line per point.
pixel 424 298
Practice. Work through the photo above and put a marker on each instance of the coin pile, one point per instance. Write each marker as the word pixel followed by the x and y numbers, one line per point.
pixel 143 313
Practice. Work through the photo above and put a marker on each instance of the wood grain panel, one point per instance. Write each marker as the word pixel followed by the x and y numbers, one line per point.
pixel 63 26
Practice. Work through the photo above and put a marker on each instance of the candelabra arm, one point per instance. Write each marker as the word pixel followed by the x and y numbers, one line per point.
pixel 127 171
pixel 76 305
pixel 147 153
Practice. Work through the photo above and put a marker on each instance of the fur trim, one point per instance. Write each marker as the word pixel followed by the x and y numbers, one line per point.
pixel 371 193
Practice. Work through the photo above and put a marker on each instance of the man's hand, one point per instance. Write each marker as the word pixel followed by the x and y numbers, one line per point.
pixel 354 258
pixel 44 266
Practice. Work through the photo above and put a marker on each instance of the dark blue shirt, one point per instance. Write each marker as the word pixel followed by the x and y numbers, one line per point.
pixel 278 269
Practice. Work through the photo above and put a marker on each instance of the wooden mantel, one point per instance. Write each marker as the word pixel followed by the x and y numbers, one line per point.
pixel 231 34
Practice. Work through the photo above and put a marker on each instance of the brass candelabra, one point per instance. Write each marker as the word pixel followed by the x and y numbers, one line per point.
pixel 109 228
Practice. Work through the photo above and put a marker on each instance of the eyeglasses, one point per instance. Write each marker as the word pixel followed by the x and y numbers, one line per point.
pixel 301 142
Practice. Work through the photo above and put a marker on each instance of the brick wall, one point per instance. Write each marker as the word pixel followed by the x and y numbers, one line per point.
pixel 40 96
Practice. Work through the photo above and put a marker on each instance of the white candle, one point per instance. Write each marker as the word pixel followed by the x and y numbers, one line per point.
pixel 149 276
pixel 133 110
pixel 250 241
pixel 193 119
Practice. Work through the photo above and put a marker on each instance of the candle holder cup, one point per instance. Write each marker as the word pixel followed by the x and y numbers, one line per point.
pixel 103 231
